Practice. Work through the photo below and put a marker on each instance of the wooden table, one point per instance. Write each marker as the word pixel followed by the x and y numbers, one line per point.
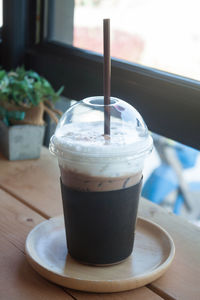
pixel 30 193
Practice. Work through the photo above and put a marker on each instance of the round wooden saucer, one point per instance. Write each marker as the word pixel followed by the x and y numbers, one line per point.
pixel 153 253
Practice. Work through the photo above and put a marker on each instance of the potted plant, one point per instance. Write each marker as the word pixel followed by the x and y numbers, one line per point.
pixel 24 97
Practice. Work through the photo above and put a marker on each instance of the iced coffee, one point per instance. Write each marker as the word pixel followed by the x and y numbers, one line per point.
pixel 101 178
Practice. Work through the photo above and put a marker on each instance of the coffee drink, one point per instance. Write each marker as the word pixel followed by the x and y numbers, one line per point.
pixel 101 178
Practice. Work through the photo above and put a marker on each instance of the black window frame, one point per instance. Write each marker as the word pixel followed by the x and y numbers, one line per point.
pixel 170 104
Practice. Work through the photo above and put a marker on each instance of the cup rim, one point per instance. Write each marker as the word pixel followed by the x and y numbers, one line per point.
pixel 89 100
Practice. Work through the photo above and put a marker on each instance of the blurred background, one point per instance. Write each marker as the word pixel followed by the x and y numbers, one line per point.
pixel 155 45
pixel 161 34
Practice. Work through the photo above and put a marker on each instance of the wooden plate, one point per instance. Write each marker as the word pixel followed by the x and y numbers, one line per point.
pixel 153 253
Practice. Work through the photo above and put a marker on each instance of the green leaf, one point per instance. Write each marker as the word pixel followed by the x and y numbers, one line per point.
pixel 2 74
pixel 60 90
pixel 25 87
pixel 33 74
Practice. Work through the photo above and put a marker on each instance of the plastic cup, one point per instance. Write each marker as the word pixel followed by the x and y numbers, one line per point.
pixel 101 178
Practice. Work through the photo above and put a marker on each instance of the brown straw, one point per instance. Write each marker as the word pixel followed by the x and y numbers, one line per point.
pixel 107 75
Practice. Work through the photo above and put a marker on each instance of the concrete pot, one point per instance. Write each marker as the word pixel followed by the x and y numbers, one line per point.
pixel 20 142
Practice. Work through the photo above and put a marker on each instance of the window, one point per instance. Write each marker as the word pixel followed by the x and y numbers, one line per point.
pixel 169 103
pixel 160 34
pixel 41 34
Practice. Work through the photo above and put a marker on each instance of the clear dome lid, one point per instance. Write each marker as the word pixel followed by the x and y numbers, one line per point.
pixel 80 131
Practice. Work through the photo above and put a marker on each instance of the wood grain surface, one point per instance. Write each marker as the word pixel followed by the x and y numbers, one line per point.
pixel 17 279
pixel 46 251
pixel 35 182
pixel 181 281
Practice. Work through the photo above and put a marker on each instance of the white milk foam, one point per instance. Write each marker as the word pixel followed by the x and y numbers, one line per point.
pixel 84 149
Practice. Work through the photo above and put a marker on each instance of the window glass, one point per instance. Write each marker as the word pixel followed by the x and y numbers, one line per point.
pixel 162 34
